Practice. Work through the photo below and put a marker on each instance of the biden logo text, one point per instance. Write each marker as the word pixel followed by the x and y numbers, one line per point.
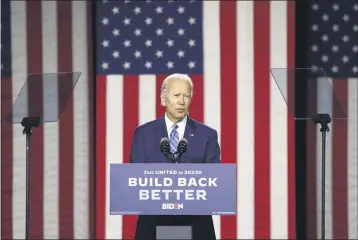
pixel 172 206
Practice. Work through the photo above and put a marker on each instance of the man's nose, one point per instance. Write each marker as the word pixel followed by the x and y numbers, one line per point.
pixel 181 99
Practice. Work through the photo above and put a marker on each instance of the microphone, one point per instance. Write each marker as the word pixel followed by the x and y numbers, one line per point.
pixel 182 146
pixel 164 145
pixel 165 149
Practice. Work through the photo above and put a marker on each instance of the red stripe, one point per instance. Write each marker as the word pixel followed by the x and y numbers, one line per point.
pixel 91 142
pixel 101 119
pixel 311 163
pixel 262 118
pixel 6 160
pixel 339 162
pixel 290 120
pixel 66 142
pixel 34 65
pixel 160 110
pixel 228 99
pixel 197 105
pixel 130 122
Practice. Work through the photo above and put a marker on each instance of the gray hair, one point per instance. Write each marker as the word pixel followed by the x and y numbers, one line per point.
pixel 180 76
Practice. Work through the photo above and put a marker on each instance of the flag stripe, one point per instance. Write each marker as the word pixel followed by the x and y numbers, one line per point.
pixel 34 49
pixel 83 142
pixel 196 107
pixel 147 106
pixel 278 125
pixel 159 109
pixel 339 164
pixel 101 157
pixel 6 161
pixel 19 68
pixel 262 118
pixel 130 117
pixel 245 128
pixel 66 147
pixel 291 197
pixel 228 86
pixel 114 151
pixel 51 145
pixel 352 165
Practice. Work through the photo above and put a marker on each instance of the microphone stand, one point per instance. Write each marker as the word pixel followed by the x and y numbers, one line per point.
pixel 170 157
pixel 323 120
pixel 28 123
pixel 175 157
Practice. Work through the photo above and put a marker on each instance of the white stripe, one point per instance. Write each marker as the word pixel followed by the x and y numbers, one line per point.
pixel 114 145
pixel 278 123
pixel 175 140
pixel 211 32
pixel 19 74
pixel 245 128
pixel 173 149
pixel 81 120
pixel 324 104
pixel 147 98
pixel 352 159
pixel 51 144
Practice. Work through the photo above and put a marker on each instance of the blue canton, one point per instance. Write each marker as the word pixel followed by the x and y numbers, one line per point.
pixel 333 38
pixel 149 37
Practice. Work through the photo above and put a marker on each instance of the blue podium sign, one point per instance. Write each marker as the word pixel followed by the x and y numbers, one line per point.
pixel 172 189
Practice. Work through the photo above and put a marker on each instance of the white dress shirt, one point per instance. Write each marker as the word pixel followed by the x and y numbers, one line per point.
pixel 180 129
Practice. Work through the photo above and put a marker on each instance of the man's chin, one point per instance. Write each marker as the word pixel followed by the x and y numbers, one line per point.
pixel 180 116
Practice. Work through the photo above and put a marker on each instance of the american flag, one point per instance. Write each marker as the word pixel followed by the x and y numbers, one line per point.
pixel 333 46
pixel 37 37
pixel 227 48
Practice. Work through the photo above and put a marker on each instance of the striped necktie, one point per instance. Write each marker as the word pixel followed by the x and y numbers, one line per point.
pixel 174 139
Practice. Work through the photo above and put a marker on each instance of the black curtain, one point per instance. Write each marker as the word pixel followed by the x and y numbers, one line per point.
pixel 301 48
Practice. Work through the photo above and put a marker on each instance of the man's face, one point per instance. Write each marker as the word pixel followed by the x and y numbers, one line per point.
pixel 177 100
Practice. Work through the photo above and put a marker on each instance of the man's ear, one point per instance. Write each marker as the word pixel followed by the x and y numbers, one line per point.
pixel 163 100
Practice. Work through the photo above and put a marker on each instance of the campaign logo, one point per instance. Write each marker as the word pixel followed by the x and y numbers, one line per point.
pixel 171 206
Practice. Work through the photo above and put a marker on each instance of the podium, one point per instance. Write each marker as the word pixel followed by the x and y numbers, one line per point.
pixel 322 105
pixel 177 199
pixel 42 98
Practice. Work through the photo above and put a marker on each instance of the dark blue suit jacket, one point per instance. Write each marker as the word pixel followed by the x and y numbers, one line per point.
pixel 203 147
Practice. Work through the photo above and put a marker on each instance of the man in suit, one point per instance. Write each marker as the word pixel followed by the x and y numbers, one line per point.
pixel 203 147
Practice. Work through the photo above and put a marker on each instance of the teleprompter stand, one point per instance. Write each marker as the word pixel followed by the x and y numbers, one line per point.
pixel 28 123
pixel 319 104
pixel 323 120
pixel 42 99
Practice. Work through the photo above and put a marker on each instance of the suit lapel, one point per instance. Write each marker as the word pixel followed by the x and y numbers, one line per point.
pixel 189 129
pixel 189 134
pixel 162 128
pixel 160 132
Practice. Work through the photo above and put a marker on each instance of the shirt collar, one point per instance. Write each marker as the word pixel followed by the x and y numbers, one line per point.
pixel 170 124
